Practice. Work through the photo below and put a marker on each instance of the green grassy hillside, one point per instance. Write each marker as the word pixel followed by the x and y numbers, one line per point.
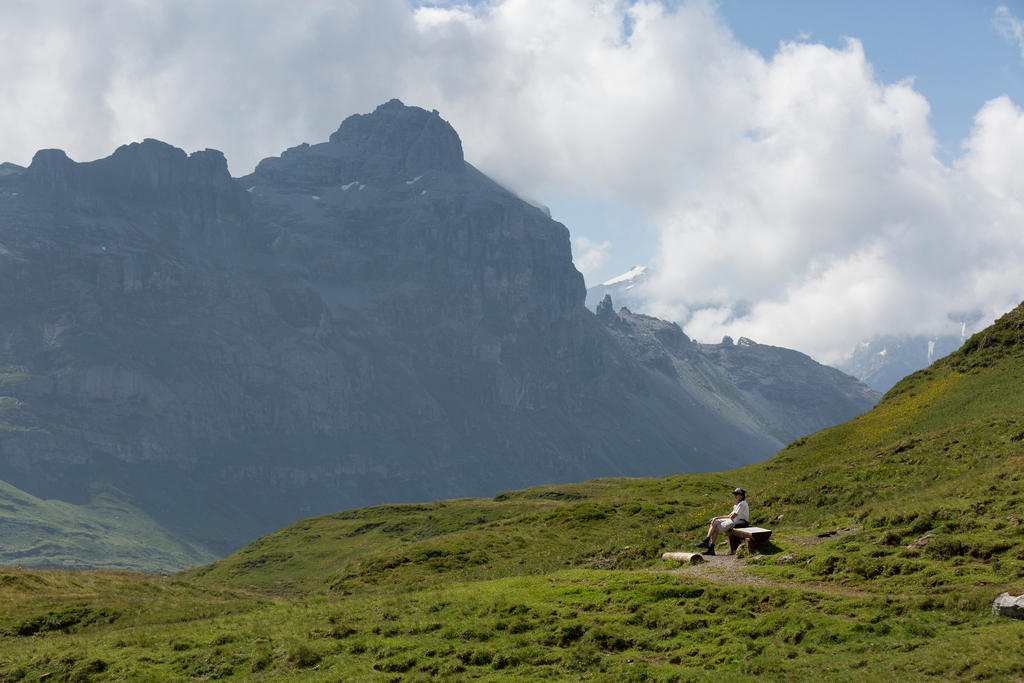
pixel 893 534
pixel 105 532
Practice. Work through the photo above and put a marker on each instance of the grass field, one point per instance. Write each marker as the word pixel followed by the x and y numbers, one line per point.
pixel 893 534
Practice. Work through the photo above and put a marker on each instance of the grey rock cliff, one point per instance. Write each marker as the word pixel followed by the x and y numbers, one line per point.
pixel 363 320
pixel 776 393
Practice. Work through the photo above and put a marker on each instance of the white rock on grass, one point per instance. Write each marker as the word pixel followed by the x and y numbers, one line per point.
pixel 1009 606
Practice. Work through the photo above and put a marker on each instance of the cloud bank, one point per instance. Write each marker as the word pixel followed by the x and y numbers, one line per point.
pixel 833 221
pixel 798 200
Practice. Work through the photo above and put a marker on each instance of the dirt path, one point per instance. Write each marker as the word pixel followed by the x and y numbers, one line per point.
pixel 734 570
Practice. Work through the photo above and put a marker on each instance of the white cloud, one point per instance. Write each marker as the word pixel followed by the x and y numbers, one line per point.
pixel 1009 26
pixel 589 256
pixel 798 199
pixel 836 222
pixel 992 153
pixel 248 78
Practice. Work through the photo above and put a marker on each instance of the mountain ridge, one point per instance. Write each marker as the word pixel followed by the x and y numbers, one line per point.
pixel 880 362
pixel 362 320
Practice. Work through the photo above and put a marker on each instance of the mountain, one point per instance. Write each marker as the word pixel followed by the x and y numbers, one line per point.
pixel 883 361
pixel 626 289
pixel 362 320
pixel 7 168
pixel 892 533
pixel 769 390
pixel 879 362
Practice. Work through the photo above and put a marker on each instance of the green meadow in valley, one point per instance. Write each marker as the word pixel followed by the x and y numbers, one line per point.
pixel 893 533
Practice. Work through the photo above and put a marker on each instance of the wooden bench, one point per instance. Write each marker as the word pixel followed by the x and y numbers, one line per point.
pixel 753 535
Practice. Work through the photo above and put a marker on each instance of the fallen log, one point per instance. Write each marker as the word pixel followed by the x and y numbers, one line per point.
pixel 690 558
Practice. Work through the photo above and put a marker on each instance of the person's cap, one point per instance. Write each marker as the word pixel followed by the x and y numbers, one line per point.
pixel 739 491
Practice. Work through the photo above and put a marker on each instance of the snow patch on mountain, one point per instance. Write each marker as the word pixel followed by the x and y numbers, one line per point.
pixel 632 274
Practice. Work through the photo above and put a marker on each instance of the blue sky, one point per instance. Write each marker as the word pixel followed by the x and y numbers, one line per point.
pixel 804 173
pixel 950 48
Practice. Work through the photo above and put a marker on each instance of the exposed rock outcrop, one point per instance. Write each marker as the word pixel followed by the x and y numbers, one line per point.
pixel 1007 605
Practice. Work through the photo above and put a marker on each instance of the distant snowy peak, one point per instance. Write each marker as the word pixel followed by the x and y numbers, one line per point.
pixel 882 361
pixel 626 290
pixel 629 276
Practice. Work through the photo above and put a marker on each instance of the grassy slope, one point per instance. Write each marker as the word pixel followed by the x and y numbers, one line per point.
pixel 106 532
pixel 894 532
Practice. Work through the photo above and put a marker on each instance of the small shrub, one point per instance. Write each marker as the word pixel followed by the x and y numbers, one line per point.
pixel 480 634
pixel 880 521
pixel 65 620
pixel 826 565
pixel 919 630
pixel 303 656
pixel 340 632
pixel 945 548
pixel 520 626
pixel 399 665
pixel 891 538
pixel 261 659
pixel 569 634
pixel 87 670
pixel 452 669
pixel 694 624
pixel 503 661
pixel 206 664
pixel 664 592
pixel 985 551
pixel 584 657
pixel 477 657
pixel 610 642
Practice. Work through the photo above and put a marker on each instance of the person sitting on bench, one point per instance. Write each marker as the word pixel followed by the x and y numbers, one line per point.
pixel 737 519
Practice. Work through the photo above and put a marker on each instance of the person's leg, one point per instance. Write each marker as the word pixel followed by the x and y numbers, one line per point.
pixel 709 542
pixel 720 526
pixel 706 540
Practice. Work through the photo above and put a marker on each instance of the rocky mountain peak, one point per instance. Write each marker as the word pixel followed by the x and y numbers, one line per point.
pixel 7 168
pixel 404 138
pixel 51 169
pixel 150 172
pixel 606 310
pixel 154 165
